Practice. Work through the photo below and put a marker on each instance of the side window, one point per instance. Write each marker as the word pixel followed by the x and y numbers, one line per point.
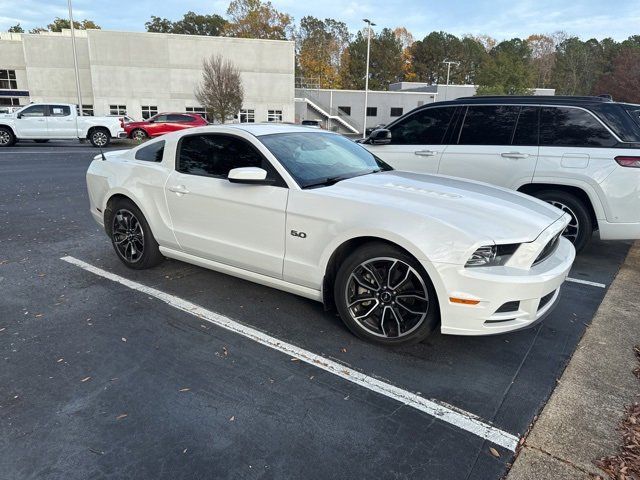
pixel 572 127
pixel 527 127
pixel 425 127
pixel 160 118
pixel 59 110
pixel 34 111
pixel 151 153
pixel 214 155
pixel 488 125
pixel 179 118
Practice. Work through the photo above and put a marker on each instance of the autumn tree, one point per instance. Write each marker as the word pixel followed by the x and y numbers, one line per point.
pixel 17 28
pixel 220 91
pixel 60 24
pixel 622 82
pixel 471 57
pixel 577 67
pixel 320 44
pixel 406 40
pixel 543 57
pixel 487 41
pixel 257 19
pixel 507 70
pixel 191 24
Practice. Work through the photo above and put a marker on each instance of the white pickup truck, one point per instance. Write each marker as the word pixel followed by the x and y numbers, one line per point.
pixel 42 122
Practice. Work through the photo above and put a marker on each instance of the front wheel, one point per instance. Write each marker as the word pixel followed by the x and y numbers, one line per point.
pixel 385 296
pixel 100 137
pixel 131 236
pixel 580 228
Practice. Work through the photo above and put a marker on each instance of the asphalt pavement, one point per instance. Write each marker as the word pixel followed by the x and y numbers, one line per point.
pixel 99 380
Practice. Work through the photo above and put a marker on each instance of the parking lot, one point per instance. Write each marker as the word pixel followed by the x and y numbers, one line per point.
pixel 113 372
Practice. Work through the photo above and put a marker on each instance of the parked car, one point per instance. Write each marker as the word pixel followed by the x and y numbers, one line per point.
pixel 315 214
pixel 312 123
pixel 581 154
pixel 163 123
pixel 45 121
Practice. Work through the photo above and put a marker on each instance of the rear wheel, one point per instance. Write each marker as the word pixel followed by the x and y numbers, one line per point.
pixel 100 137
pixel 131 236
pixel 580 228
pixel 7 138
pixel 139 134
pixel 384 296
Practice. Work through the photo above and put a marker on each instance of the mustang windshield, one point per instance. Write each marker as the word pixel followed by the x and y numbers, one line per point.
pixel 318 159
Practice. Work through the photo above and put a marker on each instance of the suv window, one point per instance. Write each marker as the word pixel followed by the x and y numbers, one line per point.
pixel 621 119
pixel 179 118
pixel 526 132
pixel 425 127
pixel 214 155
pixel 160 118
pixel 488 125
pixel 34 111
pixel 572 127
pixel 59 110
pixel 151 153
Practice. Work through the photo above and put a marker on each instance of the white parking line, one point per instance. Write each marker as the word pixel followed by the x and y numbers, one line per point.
pixel 461 419
pixel 586 282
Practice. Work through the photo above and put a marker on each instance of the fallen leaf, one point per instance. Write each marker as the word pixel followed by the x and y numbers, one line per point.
pixel 3 329
pixel 225 352
pixel 343 350
pixel 121 416
pixel 184 389
pixel 85 379
pixel 123 339
pixel 60 360
pixel 39 315
pixel 232 419
pixel 494 452
pixel 295 359
pixel 184 451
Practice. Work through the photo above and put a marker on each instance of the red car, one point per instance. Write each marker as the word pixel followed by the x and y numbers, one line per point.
pixel 162 123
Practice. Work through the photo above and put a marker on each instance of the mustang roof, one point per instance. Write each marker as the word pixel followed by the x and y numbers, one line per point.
pixel 259 129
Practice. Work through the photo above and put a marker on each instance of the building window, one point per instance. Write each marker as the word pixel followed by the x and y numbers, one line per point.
pixel 345 110
pixel 372 111
pixel 200 111
pixel 117 109
pixel 274 115
pixel 396 111
pixel 9 102
pixel 87 110
pixel 8 80
pixel 148 111
pixel 249 115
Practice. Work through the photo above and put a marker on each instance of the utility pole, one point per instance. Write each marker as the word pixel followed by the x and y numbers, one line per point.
pixel 449 63
pixel 366 78
pixel 75 58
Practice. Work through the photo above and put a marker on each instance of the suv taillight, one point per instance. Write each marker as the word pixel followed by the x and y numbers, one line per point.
pixel 633 162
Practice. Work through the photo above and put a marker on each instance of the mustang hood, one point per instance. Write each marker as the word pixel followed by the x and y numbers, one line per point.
pixel 502 215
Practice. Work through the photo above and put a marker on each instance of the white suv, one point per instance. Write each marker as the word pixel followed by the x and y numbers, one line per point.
pixel 581 154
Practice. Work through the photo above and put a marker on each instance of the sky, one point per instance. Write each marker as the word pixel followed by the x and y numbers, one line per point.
pixel 501 19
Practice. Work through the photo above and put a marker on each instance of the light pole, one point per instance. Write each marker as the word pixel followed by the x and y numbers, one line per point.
pixel 449 63
pixel 75 58
pixel 366 77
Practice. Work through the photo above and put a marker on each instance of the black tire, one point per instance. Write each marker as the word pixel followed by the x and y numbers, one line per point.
pixel 115 221
pixel 42 140
pixel 100 137
pixel 387 312
pixel 580 228
pixel 139 134
pixel 7 138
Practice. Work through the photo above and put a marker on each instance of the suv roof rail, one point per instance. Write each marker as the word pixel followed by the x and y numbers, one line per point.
pixel 539 98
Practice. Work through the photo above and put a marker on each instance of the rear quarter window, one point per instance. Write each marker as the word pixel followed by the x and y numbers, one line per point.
pixel 624 120
pixel 572 127
pixel 151 153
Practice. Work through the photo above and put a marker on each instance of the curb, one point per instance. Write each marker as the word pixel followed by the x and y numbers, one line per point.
pixel 578 424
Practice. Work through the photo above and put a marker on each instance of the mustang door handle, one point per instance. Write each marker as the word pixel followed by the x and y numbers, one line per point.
pixel 425 153
pixel 179 189
pixel 514 155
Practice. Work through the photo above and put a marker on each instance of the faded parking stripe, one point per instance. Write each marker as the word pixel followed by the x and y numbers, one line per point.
pixel 459 418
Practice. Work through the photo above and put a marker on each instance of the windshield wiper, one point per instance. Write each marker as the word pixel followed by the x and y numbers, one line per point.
pixel 337 178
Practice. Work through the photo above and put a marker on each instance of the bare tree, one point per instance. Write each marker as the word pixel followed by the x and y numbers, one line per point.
pixel 220 91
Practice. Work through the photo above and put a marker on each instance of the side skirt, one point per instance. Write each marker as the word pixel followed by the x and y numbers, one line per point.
pixel 244 274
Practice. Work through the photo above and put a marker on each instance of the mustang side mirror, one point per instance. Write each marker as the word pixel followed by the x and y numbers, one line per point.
pixel 19 115
pixel 381 136
pixel 249 175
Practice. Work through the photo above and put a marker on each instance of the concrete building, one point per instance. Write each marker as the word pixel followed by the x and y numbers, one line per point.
pixel 143 73
pixel 343 110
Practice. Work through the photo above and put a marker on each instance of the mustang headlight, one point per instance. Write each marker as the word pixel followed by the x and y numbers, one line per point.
pixel 492 255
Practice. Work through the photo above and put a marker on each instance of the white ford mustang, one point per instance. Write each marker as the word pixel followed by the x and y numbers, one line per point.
pixel 310 212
